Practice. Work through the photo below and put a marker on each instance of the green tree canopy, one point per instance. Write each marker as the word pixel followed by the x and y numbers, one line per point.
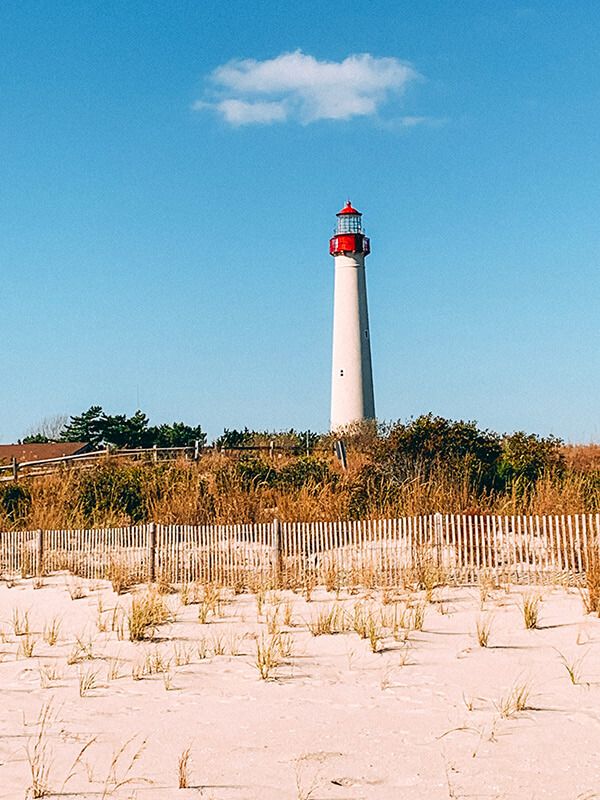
pixel 86 427
pixel 177 435
pixel 121 431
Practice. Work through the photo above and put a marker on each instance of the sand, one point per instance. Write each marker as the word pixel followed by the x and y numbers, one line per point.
pixel 421 718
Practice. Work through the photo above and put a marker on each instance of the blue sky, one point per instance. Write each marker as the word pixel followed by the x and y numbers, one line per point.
pixel 169 177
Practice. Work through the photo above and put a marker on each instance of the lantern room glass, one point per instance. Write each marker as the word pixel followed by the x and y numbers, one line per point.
pixel 349 223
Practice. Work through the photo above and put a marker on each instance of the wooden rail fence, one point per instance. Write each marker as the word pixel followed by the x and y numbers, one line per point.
pixel 459 549
pixel 15 470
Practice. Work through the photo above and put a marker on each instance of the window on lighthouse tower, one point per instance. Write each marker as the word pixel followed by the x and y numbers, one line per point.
pixel 349 223
pixel 349 220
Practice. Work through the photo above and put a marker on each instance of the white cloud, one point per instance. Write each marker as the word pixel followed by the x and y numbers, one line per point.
pixel 240 112
pixel 298 86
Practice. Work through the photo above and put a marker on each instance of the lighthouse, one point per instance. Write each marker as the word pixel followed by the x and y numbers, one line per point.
pixel 352 397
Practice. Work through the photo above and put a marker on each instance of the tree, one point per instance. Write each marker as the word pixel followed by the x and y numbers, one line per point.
pixel 86 427
pixel 36 438
pixel 122 431
pixel 49 429
pixel 177 435
pixel 233 438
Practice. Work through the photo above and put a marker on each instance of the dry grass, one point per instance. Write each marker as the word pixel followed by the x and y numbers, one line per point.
pixel 183 769
pixel 152 663
pixel 49 673
pixel 148 610
pixel 515 700
pixel 307 771
pixel 202 648
pixel 27 645
pixel 328 621
pixel 102 622
pixel 591 593
pixel 75 589
pixel 359 621
pixel 190 593
pixel 39 757
pixel 114 672
pixel 309 584
pixel 486 584
pixel 209 602
pixel 182 654
pixel 573 668
pixel 83 650
pixel 418 616
pixel 285 645
pixel 531 610
pixel 214 491
pixel 582 457
pixel 483 628
pixel 88 681
pixel 374 634
pixel 267 656
pixel 273 625
pixel 122 763
pixel 427 573
pixel 20 622
pixel 288 614
pixel 218 643
pixel 120 575
pixel 118 622
pixel 167 679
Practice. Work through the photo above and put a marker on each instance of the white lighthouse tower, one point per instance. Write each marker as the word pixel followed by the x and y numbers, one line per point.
pixel 352 397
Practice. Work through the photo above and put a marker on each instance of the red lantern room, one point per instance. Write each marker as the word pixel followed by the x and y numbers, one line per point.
pixel 349 236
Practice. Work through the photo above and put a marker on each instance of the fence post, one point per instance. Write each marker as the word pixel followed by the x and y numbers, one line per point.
pixel 437 523
pixel 196 449
pixel 40 553
pixel 15 468
pixel 340 452
pixel 277 550
pixel 152 552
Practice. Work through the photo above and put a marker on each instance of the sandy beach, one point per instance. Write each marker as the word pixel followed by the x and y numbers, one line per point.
pixel 402 714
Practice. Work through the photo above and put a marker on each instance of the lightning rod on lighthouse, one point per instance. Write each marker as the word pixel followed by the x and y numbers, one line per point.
pixel 352 398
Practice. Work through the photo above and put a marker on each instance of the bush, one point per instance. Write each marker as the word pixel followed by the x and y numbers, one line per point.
pixel 423 445
pixel 301 472
pixel 112 490
pixel 306 471
pixel 255 472
pixel 234 438
pixel 15 500
pixel 526 456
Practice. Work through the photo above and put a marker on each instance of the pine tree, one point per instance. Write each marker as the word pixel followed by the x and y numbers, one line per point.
pixel 86 427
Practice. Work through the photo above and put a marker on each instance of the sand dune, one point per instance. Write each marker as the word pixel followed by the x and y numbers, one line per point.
pixel 428 715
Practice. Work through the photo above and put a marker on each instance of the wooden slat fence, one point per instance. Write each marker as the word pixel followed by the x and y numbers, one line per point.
pixel 443 548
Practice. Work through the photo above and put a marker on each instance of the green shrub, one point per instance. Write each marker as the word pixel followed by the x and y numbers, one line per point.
pixel 15 500
pixel 112 489
pixel 305 471
pixel 526 456
pixel 254 472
